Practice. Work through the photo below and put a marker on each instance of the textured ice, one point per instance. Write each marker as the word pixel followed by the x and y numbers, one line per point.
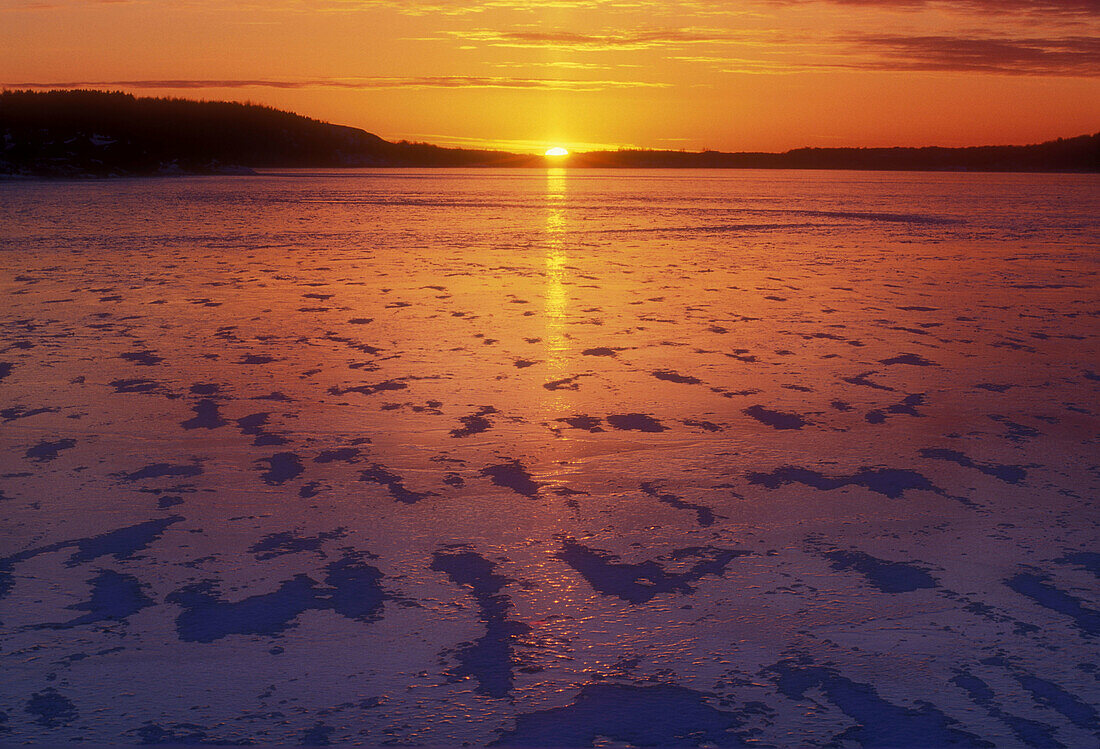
pixel 551 459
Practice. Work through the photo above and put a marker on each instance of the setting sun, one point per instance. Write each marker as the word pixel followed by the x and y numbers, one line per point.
pixel 556 151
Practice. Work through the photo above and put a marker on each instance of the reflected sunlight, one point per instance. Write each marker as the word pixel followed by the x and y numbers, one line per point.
pixel 556 295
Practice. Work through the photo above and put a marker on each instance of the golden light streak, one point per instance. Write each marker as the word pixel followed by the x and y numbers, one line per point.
pixel 556 295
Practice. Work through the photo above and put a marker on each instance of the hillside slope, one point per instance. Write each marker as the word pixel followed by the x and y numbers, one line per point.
pixel 102 134
pixel 94 133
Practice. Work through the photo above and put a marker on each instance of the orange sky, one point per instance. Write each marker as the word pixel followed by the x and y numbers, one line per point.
pixel 524 75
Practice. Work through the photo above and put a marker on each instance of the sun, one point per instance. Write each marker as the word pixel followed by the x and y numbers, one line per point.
pixel 556 151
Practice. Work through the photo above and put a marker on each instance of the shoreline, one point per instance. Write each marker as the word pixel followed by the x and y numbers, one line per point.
pixel 264 171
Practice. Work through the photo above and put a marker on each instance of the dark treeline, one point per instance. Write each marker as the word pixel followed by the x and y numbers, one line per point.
pixel 1080 154
pixel 94 133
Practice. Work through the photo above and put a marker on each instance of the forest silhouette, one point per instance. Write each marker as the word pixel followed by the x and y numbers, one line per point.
pixel 83 133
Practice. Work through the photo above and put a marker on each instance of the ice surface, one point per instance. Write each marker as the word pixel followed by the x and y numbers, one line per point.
pixel 551 459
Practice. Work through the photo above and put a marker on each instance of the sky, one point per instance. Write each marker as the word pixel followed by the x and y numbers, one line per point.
pixel 732 75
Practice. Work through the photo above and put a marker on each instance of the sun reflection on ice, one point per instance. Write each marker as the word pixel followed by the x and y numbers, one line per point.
pixel 556 295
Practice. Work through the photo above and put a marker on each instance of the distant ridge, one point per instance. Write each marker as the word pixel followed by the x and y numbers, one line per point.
pixel 84 133
pixel 1079 154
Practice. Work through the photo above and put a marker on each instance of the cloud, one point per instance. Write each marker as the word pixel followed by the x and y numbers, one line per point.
pixel 564 64
pixel 483 82
pixel 454 7
pixel 405 7
pixel 1061 7
pixel 465 7
pixel 1068 56
pixel 611 40
pixel 1077 8
pixel 40 5
pixel 746 66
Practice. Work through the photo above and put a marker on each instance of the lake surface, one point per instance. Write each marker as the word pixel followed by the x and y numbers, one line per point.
pixel 551 458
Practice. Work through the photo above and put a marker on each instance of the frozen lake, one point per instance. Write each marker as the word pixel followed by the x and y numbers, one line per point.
pixel 551 458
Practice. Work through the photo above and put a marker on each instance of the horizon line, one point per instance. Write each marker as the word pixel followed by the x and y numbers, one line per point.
pixel 526 147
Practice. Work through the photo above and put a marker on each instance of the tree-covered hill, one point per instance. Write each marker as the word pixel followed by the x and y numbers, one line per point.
pixel 100 134
pixel 1080 154
pixel 95 133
